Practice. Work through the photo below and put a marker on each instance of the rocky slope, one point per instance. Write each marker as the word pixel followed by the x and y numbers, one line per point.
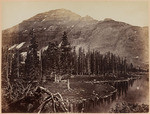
pixel 107 35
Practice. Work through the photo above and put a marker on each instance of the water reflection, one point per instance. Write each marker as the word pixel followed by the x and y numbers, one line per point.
pixel 133 91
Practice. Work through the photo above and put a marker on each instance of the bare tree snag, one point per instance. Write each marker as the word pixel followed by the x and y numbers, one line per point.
pixel 68 84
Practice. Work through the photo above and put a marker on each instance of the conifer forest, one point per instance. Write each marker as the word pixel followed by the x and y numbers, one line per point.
pixel 62 77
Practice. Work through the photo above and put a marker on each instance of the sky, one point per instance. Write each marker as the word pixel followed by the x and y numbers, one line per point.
pixel 131 12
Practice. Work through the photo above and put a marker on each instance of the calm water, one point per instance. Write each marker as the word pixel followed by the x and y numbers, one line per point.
pixel 138 93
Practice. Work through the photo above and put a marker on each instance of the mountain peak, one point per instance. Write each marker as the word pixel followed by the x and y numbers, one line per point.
pixel 62 10
pixel 57 14
pixel 108 19
pixel 87 18
pixel 64 13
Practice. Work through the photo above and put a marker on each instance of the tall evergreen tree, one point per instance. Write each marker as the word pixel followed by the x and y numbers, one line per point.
pixel 88 61
pixel 52 56
pixel 32 59
pixel 74 62
pixel 65 56
pixel 14 67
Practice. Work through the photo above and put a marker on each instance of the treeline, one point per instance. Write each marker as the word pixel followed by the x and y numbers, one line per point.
pixel 60 59
pixel 64 59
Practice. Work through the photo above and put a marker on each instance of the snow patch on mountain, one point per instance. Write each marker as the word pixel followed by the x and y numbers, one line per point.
pixel 137 57
pixel 12 47
pixel 44 48
pixel 43 20
pixel 52 28
pixel 24 56
pixel 20 45
pixel 34 22
pixel 60 44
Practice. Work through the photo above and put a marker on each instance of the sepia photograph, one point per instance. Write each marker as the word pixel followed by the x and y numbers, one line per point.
pixel 75 56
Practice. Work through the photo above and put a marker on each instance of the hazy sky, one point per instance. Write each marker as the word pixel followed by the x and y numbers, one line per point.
pixel 132 12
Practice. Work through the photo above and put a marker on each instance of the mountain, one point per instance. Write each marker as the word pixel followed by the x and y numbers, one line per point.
pixel 106 35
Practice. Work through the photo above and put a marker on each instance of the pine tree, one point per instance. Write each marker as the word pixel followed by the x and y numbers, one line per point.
pixel 131 67
pixel 13 73
pixel 74 62
pixel 88 59
pixel 65 56
pixel 52 56
pixel 32 60
pixel 125 65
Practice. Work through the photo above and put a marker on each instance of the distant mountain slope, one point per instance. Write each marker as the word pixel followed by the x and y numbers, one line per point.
pixel 108 35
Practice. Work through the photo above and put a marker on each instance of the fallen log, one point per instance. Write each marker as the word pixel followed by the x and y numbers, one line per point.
pixel 36 103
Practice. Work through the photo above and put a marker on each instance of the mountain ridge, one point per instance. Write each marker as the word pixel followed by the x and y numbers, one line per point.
pixel 107 35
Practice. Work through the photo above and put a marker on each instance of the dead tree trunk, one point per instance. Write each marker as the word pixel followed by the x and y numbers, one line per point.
pixel 68 84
